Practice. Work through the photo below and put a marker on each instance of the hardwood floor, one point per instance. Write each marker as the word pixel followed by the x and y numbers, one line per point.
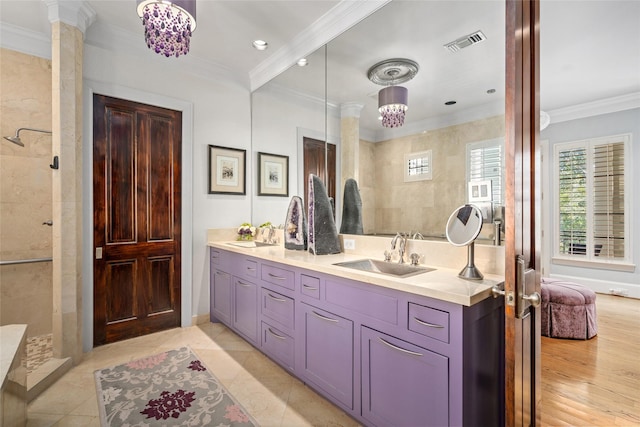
pixel 595 382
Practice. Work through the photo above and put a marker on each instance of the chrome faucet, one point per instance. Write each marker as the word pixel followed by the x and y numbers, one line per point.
pixel 418 235
pixel 401 247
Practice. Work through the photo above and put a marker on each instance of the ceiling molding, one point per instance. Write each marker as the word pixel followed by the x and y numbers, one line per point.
pixel 25 41
pixel 596 108
pixel 340 18
pixel 78 14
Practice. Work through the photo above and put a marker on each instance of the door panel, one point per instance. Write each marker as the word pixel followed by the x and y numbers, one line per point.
pixel 136 219
pixel 315 153
pixel 522 110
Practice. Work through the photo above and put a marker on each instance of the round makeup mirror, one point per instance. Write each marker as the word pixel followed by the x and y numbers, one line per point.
pixel 463 227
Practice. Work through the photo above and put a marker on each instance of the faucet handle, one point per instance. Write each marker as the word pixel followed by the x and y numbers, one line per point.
pixel 415 258
pixel 387 256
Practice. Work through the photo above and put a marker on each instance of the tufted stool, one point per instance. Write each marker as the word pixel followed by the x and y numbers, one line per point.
pixel 568 310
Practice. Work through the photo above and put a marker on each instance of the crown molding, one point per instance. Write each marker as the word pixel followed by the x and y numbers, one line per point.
pixel 351 109
pixel 75 13
pixel 25 41
pixel 340 18
pixel 596 108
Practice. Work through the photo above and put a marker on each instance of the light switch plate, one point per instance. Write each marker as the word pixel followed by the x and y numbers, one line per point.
pixel 349 244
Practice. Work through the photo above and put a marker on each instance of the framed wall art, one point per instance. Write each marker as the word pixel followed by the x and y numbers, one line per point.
pixel 273 175
pixel 227 170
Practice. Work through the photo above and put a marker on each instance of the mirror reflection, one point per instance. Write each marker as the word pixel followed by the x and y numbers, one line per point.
pixel 410 177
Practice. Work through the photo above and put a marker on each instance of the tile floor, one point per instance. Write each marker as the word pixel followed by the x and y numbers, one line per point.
pixel 270 394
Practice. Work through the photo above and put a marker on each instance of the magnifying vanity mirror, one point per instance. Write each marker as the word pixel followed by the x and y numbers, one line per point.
pixel 463 227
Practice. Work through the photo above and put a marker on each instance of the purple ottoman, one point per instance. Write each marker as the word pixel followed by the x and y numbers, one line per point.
pixel 568 310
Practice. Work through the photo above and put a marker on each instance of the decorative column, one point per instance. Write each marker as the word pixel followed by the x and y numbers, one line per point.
pixel 69 20
pixel 350 140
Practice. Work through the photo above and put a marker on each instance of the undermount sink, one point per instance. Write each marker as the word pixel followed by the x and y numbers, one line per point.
pixel 385 267
pixel 251 244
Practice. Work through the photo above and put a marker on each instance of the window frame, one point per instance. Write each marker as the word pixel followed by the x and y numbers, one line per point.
pixel 590 259
pixel 487 144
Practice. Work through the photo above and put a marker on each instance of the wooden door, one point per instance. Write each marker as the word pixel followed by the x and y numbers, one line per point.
pixel 137 209
pixel 317 160
pixel 522 221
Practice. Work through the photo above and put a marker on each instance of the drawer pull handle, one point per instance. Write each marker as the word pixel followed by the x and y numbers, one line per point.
pixel 246 285
pixel 280 337
pixel 251 268
pixel 413 353
pixel 320 316
pixel 276 299
pixel 431 325
pixel 311 288
pixel 277 277
pixel 220 273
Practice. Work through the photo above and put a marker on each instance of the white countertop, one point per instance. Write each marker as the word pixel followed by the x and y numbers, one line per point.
pixel 442 283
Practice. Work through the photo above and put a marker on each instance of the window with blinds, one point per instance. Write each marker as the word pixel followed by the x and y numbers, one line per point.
pixel 485 162
pixel 591 214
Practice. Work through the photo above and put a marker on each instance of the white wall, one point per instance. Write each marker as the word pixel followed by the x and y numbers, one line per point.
pixel 219 112
pixel 621 122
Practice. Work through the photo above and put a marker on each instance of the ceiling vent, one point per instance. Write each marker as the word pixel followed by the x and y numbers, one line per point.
pixel 465 41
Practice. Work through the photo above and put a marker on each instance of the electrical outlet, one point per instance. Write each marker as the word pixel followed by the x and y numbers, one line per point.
pixel 349 244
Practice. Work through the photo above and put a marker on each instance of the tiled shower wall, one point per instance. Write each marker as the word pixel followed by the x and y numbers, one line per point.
pixel 25 192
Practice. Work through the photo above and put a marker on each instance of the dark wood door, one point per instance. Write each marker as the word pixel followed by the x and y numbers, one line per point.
pixel 522 215
pixel 137 209
pixel 317 160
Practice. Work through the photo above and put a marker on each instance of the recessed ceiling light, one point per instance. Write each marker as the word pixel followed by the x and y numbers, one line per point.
pixel 302 62
pixel 449 102
pixel 260 44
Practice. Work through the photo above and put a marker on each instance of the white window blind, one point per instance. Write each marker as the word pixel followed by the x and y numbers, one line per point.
pixel 592 219
pixel 485 162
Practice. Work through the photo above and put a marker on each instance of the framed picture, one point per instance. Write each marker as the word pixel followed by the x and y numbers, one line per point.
pixel 480 191
pixel 273 175
pixel 227 168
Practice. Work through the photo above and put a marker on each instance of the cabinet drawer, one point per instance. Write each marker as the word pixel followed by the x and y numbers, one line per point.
pixel 248 268
pixel 278 307
pixel 278 276
pixel 310 286
pixel 216 256
pixel 278 345
pixel 363 301
pixel 429 322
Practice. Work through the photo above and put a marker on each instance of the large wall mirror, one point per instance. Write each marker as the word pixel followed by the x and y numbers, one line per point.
pixel 288 107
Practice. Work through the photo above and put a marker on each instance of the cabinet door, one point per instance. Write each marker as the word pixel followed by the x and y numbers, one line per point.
pixel 220 294
pixel 403 384
pixel 328 353
pixel 245 315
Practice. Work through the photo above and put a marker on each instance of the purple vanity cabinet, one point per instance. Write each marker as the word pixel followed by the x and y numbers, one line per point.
pixel 386 357
pixel 327 358
pixel 220 294
pixel 402 384
pixel 246 310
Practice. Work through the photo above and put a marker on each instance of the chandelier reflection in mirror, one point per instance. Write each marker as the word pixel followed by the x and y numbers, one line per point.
pixel 393 100
pixel 168 25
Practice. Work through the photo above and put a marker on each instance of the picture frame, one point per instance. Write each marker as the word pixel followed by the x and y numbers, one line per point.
pixel 273 175
pixel 227 170
pixel 480 191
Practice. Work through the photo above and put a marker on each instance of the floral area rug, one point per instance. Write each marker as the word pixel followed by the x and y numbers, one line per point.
pixel 166 389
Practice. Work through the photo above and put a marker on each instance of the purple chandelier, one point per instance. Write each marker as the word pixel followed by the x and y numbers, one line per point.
pixel 168 25
pixel 393 100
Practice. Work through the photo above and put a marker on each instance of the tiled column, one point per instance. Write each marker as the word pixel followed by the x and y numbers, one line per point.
pixel 350 140
pixel 69 20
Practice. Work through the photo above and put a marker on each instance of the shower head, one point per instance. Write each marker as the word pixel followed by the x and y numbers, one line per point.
pixel 16 138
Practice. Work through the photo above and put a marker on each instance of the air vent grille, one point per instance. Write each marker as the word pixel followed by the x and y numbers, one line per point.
pixel 466 41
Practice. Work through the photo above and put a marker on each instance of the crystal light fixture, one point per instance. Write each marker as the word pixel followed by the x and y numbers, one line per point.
pixel 168 25
pixel 393 100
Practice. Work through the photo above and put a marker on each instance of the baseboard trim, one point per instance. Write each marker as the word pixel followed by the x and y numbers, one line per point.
pixel 199 319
